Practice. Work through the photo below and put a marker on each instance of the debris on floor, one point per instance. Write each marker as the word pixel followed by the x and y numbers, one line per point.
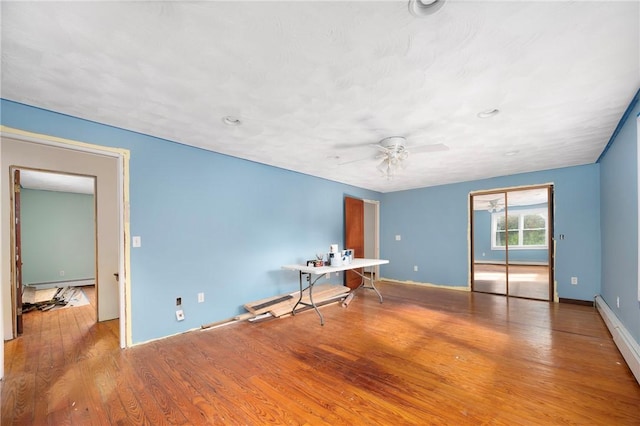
pixel 49 298
pixel 282 305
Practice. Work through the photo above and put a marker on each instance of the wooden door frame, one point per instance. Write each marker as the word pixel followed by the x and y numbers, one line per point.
pixel 551 242
pixel 16 256
pixel 124 261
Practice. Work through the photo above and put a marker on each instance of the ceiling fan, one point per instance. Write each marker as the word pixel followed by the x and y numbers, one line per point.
pixel 495 206
pixel 393 152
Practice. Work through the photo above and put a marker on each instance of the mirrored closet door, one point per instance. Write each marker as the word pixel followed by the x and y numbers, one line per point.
pixel 511 242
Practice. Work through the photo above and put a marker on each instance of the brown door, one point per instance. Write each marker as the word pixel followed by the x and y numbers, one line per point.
pixel 18 258
pixel 353 236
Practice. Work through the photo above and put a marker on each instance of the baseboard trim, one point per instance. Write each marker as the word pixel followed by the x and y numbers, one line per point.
pixel 626 344
pixel 60 284
pixel 447 287
pixel 576 302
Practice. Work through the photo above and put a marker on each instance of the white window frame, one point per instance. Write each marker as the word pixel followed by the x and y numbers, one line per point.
pixel 521 214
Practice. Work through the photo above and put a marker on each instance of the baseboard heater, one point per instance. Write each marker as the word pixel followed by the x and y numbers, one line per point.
pixel 67 283
pixel 626 344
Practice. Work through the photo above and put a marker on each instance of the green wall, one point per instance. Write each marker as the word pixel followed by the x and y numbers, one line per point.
pixel 57 235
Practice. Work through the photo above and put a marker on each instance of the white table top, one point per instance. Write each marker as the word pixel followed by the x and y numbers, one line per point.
pixel 355 264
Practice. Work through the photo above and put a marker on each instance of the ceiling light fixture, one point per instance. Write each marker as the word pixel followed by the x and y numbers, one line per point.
pixel 488 113
pixel 230 120
pixel 393 156
pixel 494 206
pixel 425 7
pixel 511 153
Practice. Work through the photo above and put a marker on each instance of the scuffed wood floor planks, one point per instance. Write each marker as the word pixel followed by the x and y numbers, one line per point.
pixel 425 356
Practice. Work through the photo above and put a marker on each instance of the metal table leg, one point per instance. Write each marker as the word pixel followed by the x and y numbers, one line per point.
pixel 310 287
pixel 364 279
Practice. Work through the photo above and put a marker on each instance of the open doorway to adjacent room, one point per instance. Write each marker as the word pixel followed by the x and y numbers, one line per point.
pixel 105 228
pixel 362 235
pixel 54 236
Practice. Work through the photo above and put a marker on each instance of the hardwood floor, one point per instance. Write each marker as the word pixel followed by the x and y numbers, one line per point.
pixel 425 356
pixel 529 281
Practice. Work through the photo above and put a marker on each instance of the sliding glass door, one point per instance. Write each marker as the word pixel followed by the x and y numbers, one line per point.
pixel 512 242
pixel 489 266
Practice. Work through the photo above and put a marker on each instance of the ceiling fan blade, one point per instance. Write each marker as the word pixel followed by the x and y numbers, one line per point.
pixel 436 147
pixel 357 160
pixel 382 149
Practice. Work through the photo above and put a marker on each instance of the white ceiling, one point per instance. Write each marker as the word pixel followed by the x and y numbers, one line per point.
pixel 46 181
pixel 315 83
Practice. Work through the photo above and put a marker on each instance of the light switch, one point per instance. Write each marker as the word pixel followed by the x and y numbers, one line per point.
pixel 137 241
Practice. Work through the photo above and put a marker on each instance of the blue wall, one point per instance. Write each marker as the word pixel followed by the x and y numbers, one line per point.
pixel 209 223
pixel 619 223
pixel 433 225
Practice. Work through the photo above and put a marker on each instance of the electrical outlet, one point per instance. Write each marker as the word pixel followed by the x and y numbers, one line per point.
pixel 415 268
pixel 200 297
pixel 327 275
pixel 62 273
pixel 136 241
pixel 398 237
pixel 180 315
pixel 574 280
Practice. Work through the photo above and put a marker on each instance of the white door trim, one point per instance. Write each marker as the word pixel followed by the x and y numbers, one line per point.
pixel 376 235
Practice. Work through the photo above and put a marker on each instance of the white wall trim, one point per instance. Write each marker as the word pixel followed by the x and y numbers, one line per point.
pixel 63 283
pixel 626 344
pixel 376 234
pixel 638 186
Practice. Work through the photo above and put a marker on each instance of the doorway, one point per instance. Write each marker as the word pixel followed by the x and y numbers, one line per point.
pixel 512 242
pixel 362 229
pixel 110 166
pixel 55 242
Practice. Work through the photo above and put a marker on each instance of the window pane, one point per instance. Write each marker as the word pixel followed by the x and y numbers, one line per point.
pixel 534 238
pixel 514 222
pixel 514 238
pixel 533 221
pixel 500 223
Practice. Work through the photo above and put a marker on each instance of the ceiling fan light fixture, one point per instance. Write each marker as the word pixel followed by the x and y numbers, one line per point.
pixel 393 154
pixel 387 169
pixel 495 206
pixel 393 142
pixel 422 8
